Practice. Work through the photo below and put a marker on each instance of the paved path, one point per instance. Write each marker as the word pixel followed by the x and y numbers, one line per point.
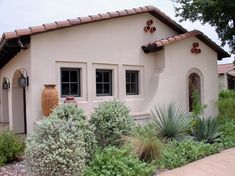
pixel 221 164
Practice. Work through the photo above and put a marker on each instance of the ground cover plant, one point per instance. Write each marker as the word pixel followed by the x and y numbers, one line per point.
pixel 227 130
pixel 115 161
pixel 178 153
pixel 111 120
pixel 11 146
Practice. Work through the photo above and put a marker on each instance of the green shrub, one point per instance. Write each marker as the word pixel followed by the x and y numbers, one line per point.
pixel 55 147
pixel 227 107
pixel 144 143
pixel 112 161
pixel 71 112
pixel 171 122
pixel 10 146
pixel 227 94
pixel 179 153
pixel 111 120
pixel 206 130
pixel 227 128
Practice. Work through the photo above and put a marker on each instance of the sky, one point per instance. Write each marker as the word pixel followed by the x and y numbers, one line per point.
pixel 17 14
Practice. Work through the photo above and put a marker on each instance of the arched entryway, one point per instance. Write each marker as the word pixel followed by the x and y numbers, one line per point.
pixel 5 105
pixel 18 104
pixel 194 84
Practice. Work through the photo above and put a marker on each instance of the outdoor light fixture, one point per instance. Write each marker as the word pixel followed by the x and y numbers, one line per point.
pixel 6 84
pixel 24 79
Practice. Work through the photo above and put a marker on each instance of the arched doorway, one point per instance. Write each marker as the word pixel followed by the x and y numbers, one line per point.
pixel 18 104
pixel 194 84
pixel 5 105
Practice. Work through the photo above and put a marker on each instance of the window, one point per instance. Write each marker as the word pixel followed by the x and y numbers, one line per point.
pixel 70 82
pixel 132 82
pixel 103 82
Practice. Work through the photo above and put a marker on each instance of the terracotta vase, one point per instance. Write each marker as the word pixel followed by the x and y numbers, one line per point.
pixel 71 100
pixel 49 99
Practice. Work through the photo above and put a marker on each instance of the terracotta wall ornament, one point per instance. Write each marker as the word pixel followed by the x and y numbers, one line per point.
pixel 195 49
pixel 149 27
pixel 49 98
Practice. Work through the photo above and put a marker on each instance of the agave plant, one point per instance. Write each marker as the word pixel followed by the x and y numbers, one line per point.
pixel 171 122
pixel 145 143
pixel 206 129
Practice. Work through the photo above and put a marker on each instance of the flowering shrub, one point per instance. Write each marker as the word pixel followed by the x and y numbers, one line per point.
pixel 111 120
pixel 71 112
pixel 55 147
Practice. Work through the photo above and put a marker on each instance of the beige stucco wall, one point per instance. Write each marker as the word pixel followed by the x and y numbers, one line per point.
pixel 21 60
pixel 179 61
pixel 114 44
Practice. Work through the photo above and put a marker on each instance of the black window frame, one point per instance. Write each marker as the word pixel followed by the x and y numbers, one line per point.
pixel 136 73
pixel 102 83
pixel 78 82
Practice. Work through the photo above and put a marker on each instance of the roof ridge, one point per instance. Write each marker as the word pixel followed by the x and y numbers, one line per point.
pixel 75 21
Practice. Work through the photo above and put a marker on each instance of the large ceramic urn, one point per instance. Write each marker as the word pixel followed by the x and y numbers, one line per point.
pixel 49 99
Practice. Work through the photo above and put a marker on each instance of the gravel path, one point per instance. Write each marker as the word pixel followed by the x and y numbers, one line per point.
pixel 13 169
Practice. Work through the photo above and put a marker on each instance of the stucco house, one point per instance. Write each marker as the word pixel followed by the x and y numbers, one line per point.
pixel 139 56
pixel 226 74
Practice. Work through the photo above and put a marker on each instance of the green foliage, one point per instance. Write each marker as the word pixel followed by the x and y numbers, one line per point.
pixel 217 13
pixel 55 147
pixel 206 129
pixel 197 106
pixel 227 128
pixel 226 104
pixel 111 120
pixel 144 143
pixel 10 146
pixel 171 122
pixel 227 94
pixel 179 153
pixel 69 111
pixel 112 161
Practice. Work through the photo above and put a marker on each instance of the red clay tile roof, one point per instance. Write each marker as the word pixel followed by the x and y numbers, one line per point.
pixel 175 38
pixel 10 39
pixel 225 68
pixel 157 45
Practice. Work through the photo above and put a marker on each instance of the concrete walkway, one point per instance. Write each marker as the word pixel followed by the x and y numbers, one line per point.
pixel 221 164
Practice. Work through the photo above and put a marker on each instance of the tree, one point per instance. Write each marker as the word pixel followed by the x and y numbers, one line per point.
pixel 218 13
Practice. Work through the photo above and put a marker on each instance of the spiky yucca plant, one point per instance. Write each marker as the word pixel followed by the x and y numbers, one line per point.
pixel 171 121
pixel 206 129
pixel 144 143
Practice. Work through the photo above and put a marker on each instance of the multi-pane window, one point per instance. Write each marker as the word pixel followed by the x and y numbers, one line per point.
pixel 70 82
pixel 103 82
pixel 132 82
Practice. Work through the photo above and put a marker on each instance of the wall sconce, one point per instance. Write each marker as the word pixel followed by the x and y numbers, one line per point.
pixel 24 79
pixel 6 84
